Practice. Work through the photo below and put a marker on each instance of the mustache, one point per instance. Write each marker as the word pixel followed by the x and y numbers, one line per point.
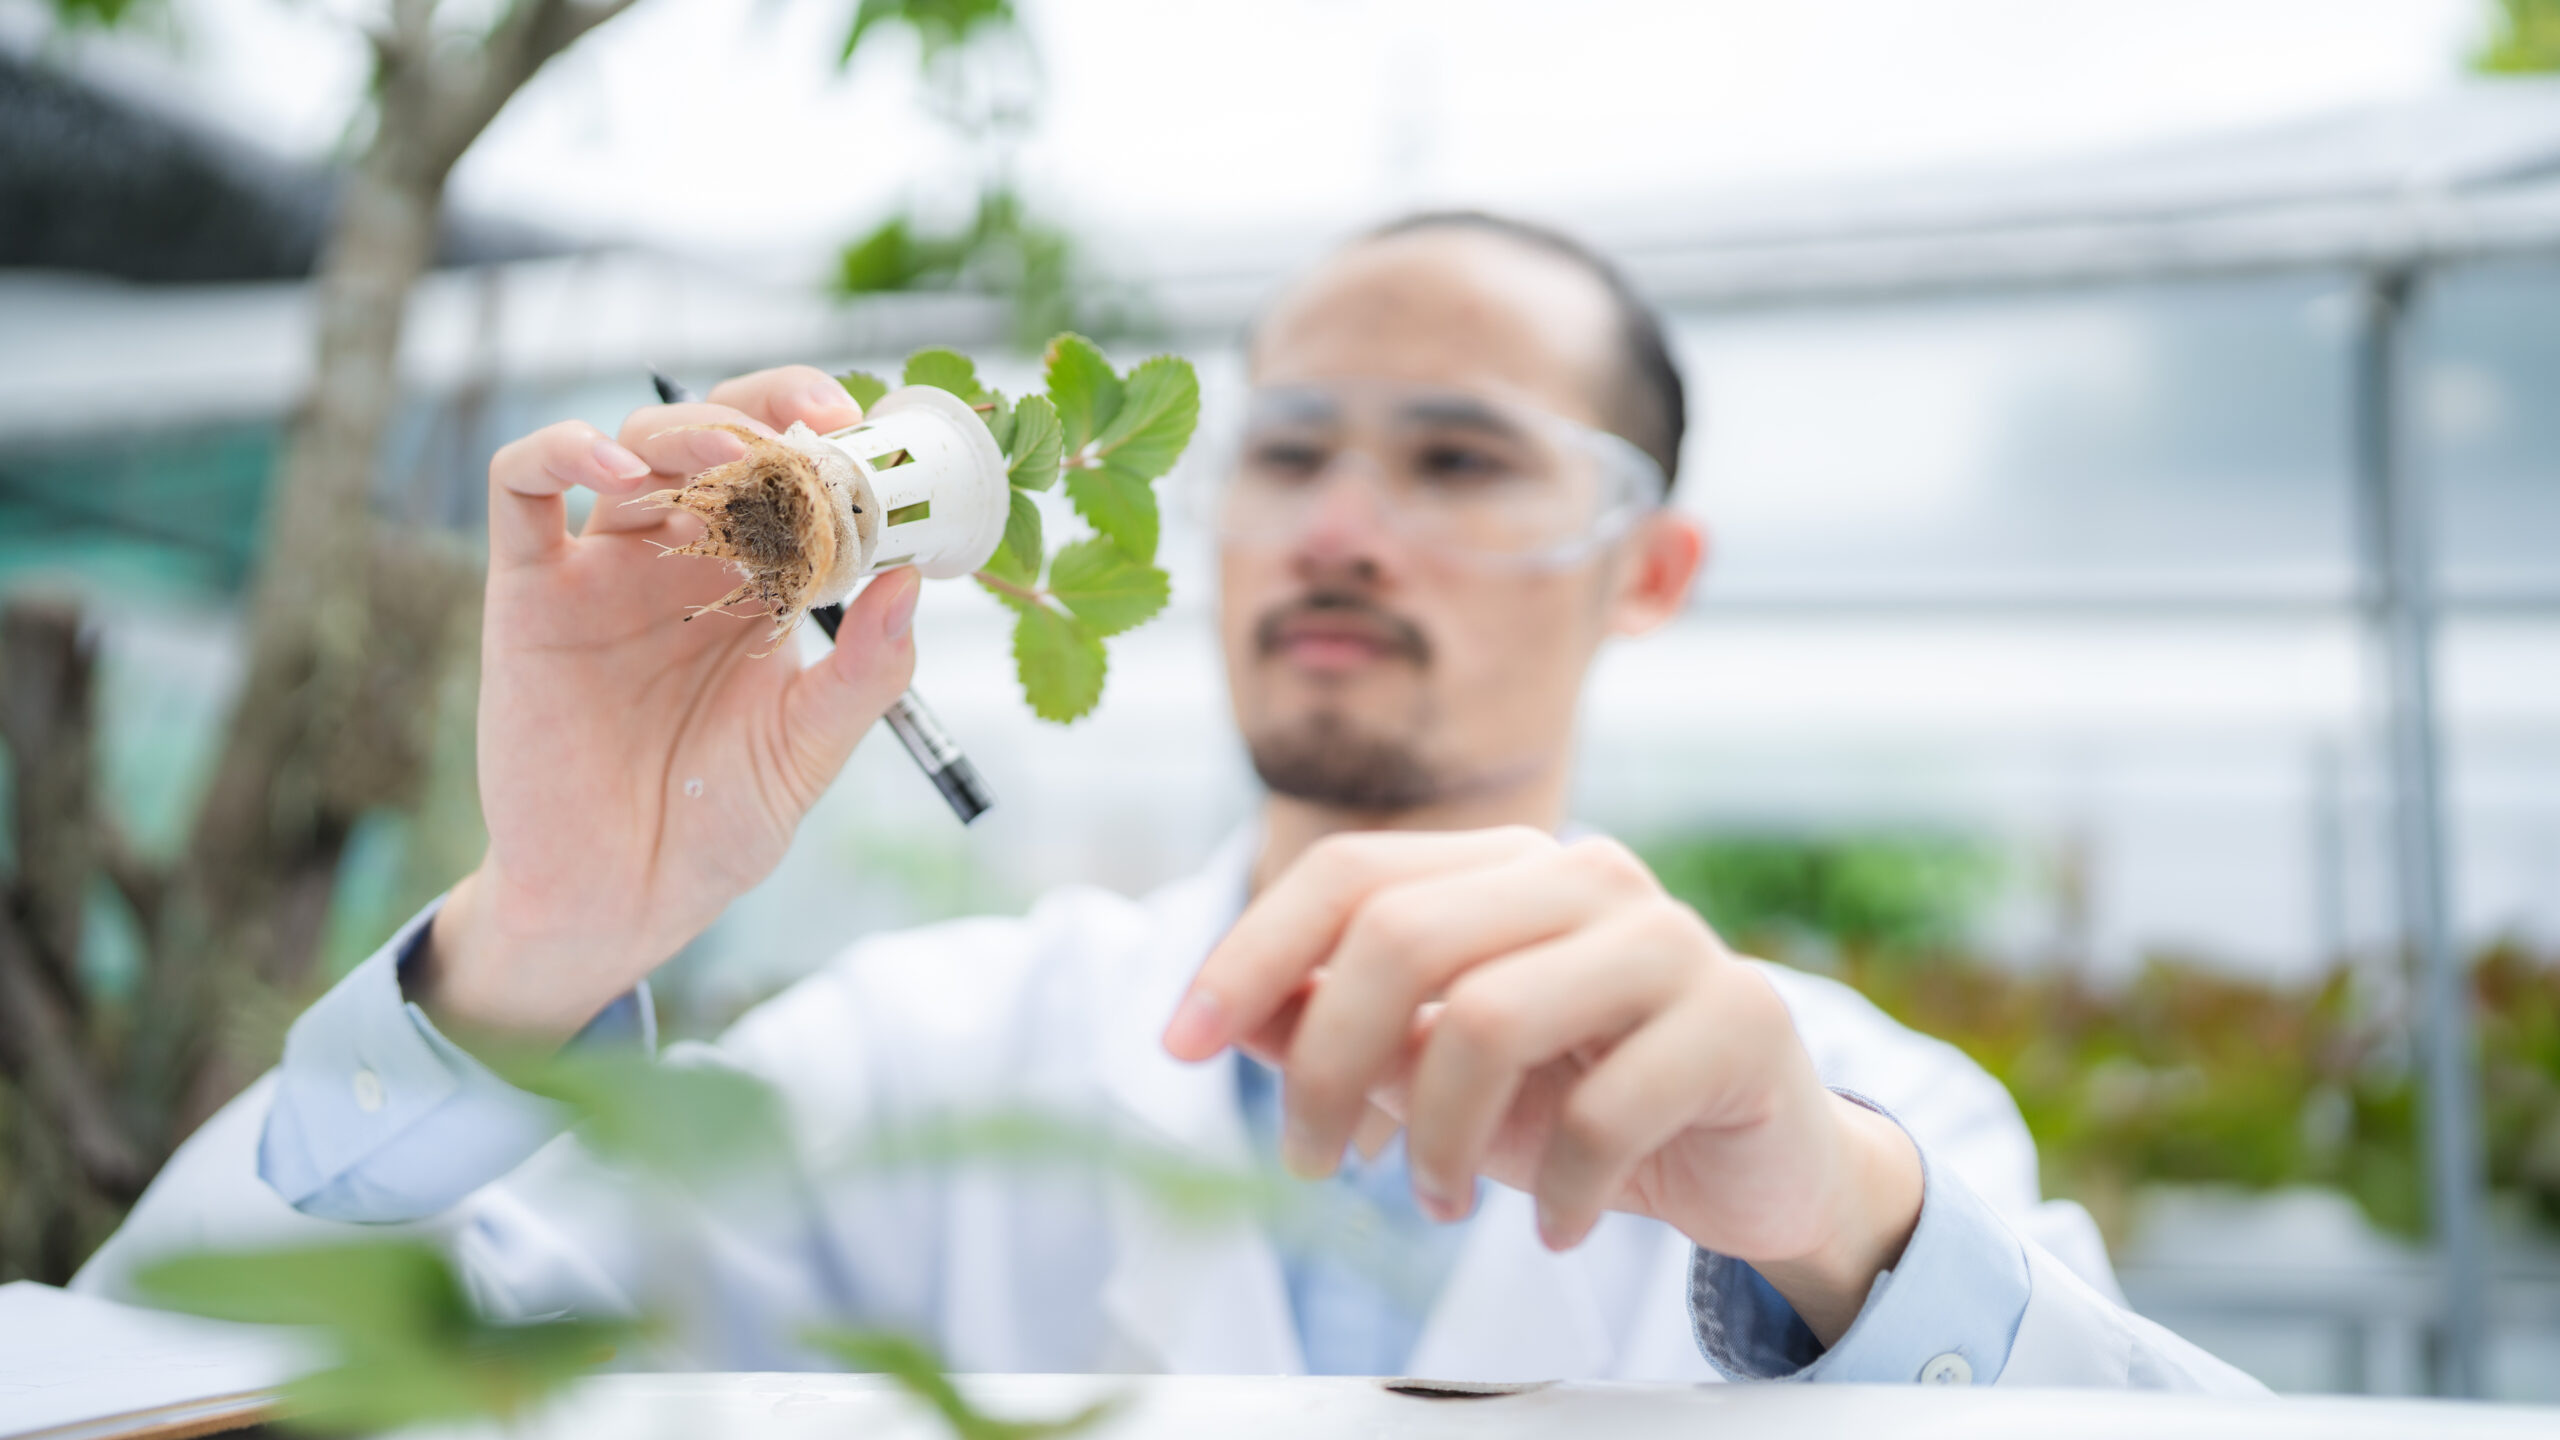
pixel 1399 636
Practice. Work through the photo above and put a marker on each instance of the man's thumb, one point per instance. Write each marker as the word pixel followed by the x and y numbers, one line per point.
pixel 832 703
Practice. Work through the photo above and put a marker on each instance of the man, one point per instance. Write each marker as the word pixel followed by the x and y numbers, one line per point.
pixel 1624 1152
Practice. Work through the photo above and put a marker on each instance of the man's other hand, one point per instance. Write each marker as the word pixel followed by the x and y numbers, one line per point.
pixel 638 772
pixel 1544 1014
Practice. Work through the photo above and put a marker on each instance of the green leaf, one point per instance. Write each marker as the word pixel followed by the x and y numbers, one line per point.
pixel 1159 408
pixel 1106 589
pixel 865 388
pixel 946 370
pixel 919 1372
pixel 1060 661
pixel 887 259
pixel 379 1288
pixel 939 24
pixel 999 418
pixel 1037 444
pixel 695 1124
pixel 491 1372
pixel 409 1348
pixel 1083 387
pixel 1118 504
pixel 1018 558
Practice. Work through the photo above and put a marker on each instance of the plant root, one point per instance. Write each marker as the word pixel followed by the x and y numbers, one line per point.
pixel 778 518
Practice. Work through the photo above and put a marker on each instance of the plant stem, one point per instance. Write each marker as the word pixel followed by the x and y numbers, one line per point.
pixel 1028 595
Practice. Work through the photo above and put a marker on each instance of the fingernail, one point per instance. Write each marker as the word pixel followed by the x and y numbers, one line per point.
pixel 902 611
pixel 825 397
pixel 1551 1229
pixel 1194 1028
pixel 619 463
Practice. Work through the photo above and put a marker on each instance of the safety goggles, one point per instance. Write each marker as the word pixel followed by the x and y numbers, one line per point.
pixel 1479 477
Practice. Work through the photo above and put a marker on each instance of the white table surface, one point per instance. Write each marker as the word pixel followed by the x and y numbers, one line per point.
pixel 855 1407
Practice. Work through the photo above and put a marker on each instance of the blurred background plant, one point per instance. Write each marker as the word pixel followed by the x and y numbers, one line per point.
pixel 2525 40
pixel 973 228
pixel 2182 1072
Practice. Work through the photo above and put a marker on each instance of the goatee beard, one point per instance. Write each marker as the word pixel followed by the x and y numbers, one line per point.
pixel 1326 761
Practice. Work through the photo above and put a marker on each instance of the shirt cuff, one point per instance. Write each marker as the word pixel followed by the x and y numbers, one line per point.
pixel 1946 1313
pixel 377 1117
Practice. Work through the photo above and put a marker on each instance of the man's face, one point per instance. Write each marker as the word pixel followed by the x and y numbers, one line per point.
pixel 1374 671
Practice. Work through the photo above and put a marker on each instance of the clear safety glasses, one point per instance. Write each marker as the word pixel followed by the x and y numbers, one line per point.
pixel 1479 477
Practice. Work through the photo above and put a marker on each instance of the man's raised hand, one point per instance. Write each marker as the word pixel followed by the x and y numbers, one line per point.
pixel 1545 1015
pixel 638 771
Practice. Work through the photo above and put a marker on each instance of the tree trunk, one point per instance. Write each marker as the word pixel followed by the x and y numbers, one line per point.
pixel 71 1164
pixel 345 632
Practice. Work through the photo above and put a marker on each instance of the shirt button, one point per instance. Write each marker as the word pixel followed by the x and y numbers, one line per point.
pixel 1947 1369
pixel 368 1088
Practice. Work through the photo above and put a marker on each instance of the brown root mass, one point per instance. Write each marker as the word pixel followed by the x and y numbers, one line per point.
pixel 771 516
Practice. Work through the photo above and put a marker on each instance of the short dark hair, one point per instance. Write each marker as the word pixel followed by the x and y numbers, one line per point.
pixel 1650 405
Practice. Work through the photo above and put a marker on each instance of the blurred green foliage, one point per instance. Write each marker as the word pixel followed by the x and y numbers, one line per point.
pixel 1002 250
pixel 2185 1073
pixel 2526 40
pixel 407 1346
pixel 918 1371
pixel 940 25
pixel 97 14
pixel 982 79
pixel 1891 895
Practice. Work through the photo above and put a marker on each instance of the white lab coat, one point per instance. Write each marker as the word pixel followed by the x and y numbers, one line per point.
pixel 1061 1009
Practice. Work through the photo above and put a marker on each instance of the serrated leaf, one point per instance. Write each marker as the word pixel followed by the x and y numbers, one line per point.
pixel 946 370
pixel 1084 388
pixel 1032 458
pixel 999 418
pixel 1104 588
pixel 1159 408
pixel 1120 505
pixel 1018 558
pixel 865 388
pixel 1059 660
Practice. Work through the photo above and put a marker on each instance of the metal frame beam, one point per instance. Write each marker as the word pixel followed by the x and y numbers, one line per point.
pixel 2396 507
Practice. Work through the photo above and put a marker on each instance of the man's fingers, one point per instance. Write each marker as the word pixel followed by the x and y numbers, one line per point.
pixel 1504 1020
pixel 678 443
pixel 527 478
pixel 660 434
pixel 1291 928
pixel 831 704
pixel 1645 1091
pixel 787 394
pixel 1403 944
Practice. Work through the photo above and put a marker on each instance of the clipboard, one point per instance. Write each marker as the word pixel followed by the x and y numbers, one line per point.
pixel 75 1367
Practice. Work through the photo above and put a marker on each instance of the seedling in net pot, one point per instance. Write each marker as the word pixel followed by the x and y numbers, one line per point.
pixel 939 475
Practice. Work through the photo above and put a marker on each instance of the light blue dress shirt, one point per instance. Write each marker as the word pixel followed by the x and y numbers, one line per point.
pixel 379 1118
